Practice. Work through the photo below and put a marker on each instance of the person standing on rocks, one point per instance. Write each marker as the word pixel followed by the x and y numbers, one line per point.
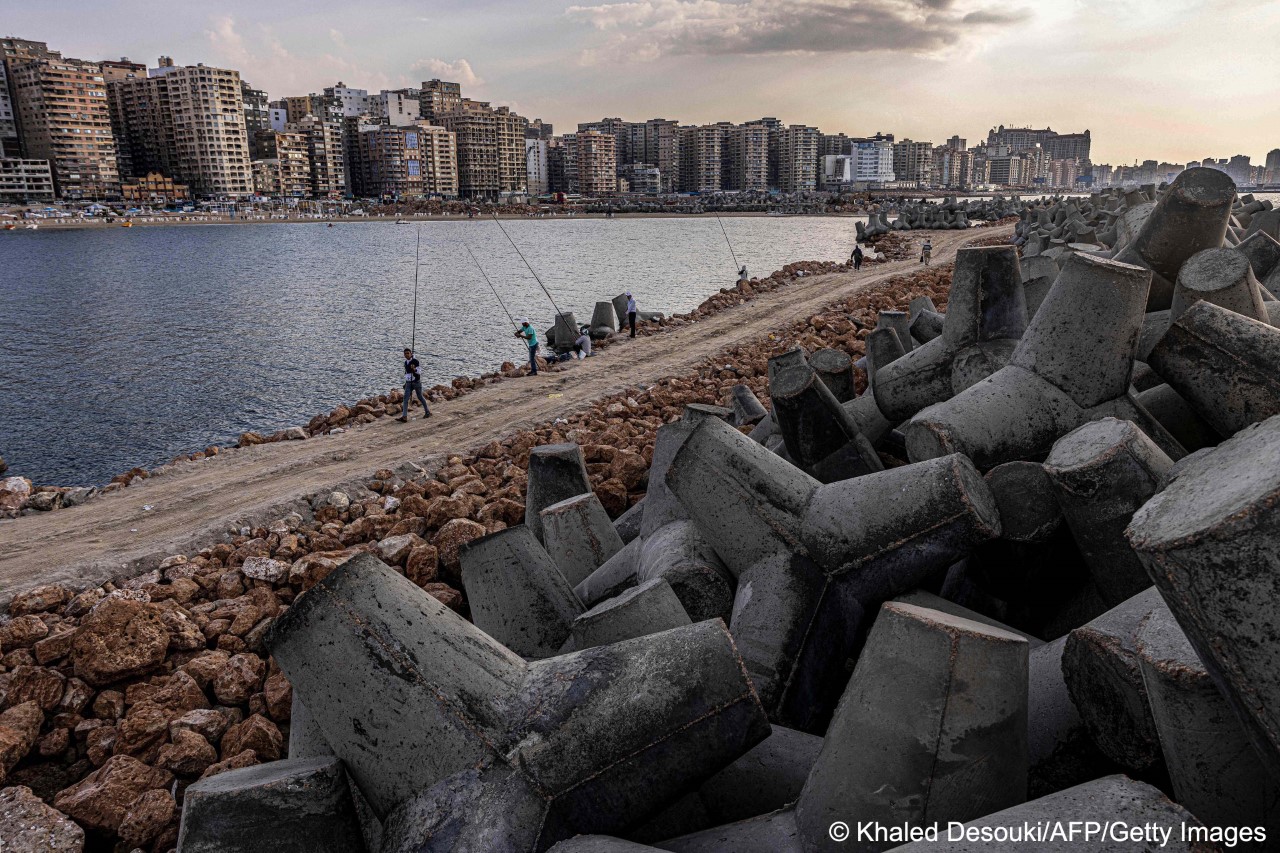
pixel 631 313
pixel 412 386
pixel 856 257
pixel 530 336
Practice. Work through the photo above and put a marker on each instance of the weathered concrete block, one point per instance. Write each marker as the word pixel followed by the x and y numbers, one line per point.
pixel 517 594
pixel 835 369
pixel 1190 216
pixel 1211 543
pixel 1179 417
pixel 556 472
pixel 768 777
pixel 747 408
pixel 1225 364
pixel 616 575
pixel 294 805
pixel 1102 472
pixel 579 536
pixel 929 601
pixel 1214 769
pixel 306 740
pixel 812 422
pixel 1100 665
pixel 645 609
pixel 604 317
pixel 933 727
pixel 1029 510
pixel 1222 277
pixel 1062 753
pixel 467 744
pixel 900 322
pixel 1114 801
pixel 627 525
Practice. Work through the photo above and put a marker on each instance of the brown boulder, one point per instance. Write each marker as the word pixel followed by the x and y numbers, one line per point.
pixel 394 550
pixel 422 565
pixel 504 509
pixel 205 666
pixel 102 799
pixel 236 762
pixel 265 569
pixel 22 632
pixel 35 684
pixel 54 647
pixel 188 755
pixel 19 728
pixel 278 695
pixel 613 496
pixel 42 599
pixel 439 511
pixel 445 594
pixel 239 679
pixel 453 536
pixel 27 825
pixel 109 705
pixel 119 639
pixel 147 817
pixel 209 723
pixel 256 734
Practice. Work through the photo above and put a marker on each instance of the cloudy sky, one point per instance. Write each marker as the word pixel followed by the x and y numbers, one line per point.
pixel 1174 80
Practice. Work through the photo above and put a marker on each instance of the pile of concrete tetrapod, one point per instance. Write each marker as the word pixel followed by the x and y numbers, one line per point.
pixel 1026 581
pixel 944 215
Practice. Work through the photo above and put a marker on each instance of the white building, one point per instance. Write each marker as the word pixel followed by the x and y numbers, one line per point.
pixel 535 157
pixel 278 117
pixel 838 170
pixel 348 101
pixel 395 108
pixel 874 161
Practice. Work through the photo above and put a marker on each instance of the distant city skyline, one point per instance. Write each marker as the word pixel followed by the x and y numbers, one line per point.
pixel 1137 75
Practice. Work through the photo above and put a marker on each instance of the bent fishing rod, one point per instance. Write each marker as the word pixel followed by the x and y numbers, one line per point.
pixel 413 340
pixel 736 266
pixel 498 222
pixel 491 287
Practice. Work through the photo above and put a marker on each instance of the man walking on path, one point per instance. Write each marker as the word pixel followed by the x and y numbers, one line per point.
pixel 856 257
pixel 530 336
pixel 412 386
pixel 631 313
pixel 926 251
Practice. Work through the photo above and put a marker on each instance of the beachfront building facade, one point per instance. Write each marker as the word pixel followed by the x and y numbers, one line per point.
pixel 257 115
pixel 746 161
pixel 490 143
pixel 25 181
pixel 289 169
pixel 154 188
pixel 640 179
pixel 12 51
pixel 913 161
pixel 597 157
pixel 326 167
pixel 700 158
pixel 874 160
pixel 418 161
pixel 112 72
pixel 63 116
pixel 662 148
pixel 535 157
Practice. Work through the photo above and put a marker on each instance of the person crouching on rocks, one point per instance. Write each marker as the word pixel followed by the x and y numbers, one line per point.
pixel 530 336
pixel 412 386
pixel 582 346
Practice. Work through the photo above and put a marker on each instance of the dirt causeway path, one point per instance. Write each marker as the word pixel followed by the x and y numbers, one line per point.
pixel 197 503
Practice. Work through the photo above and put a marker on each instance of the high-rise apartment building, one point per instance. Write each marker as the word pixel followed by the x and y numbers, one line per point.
pixel 63 116
pixel 257 115
pixel 24 181
pixel 557 167
pixel 1068 146
pixel 490 145
pixel 662 149
pixel 397 108
pixel 345 102
pixel 874 163
pixel 952 167
pixel 1271 171
pixel 913 161
pixel 700 158
pixel 14 50
pixel 641 178
pixel 112 73
pixel 539 129
pixel 210 143
pixel 326 160
pixel 798 158
pixel 285 168
pixel 438 98
pixel 747 146
pixel 597 163
pixel 535 157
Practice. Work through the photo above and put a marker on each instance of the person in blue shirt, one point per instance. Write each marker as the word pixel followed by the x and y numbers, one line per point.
pixel 530 336
pixel 412 386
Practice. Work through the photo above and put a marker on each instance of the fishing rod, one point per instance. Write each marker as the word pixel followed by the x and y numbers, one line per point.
pixel 491 287
pixel 416 251
pixel 732 254
pixel 527 264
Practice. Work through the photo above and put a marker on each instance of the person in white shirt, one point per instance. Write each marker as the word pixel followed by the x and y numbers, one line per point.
pixel 631 313
pixel 582 346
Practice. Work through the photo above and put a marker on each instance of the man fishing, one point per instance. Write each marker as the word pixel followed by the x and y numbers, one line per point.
pixel 530 336
pixel 412 386
pixel 742 274
pixel 631 313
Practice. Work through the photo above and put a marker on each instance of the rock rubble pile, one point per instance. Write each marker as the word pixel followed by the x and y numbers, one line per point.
pixel 993 588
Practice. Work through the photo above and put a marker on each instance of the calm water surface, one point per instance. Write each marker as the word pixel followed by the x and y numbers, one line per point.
pixel 129 347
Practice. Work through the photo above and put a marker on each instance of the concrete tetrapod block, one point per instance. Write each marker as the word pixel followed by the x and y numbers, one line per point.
pixel 627 525
pixel 1214 769
pixel 867 417
pixel 932 728
pixel 1220 276
pixel 1072 365
pixel 556 472
pixel 1223 363
pixel 1263 253
pixel 835 369
pixel 1100 666
pixel 672 548
pixel 429 712
pixel 1211 543
pixel 1029 510
pixel 293 806
pixel 1190 217
pixel 614 577
pixel 919 305
pixel 927 325
pixel 768 777
pixel 645 609
pixel 900 322
pixel 517 594
pixel 986 314
pixel 814 561
pixel 565 331
pixel 1102 472
pixel 747 408
pixel 1061 751
pixel 810 417
pixel 604 317
pixel 620 308
pixel 1178 416
pixel 579 536
pixel 929 601
pixel 306 740
pixel 884 347
pixel 1114 807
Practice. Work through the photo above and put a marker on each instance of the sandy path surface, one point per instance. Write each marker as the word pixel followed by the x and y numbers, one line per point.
pixel 197 503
